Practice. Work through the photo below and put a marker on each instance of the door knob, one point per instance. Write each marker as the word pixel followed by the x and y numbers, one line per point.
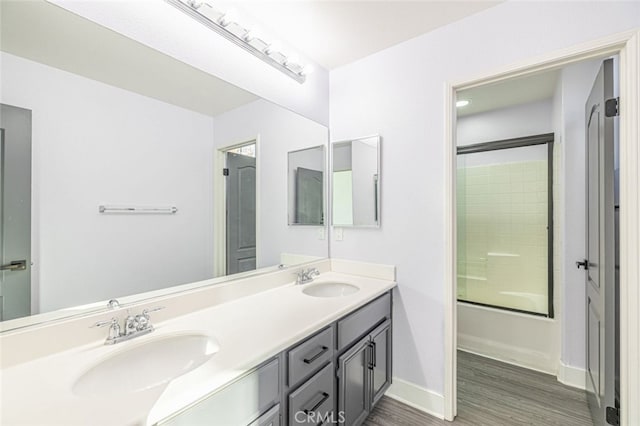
pixel 16 265
pixel 583 264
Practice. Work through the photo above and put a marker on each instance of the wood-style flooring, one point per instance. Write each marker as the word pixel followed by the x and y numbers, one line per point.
pixel 493 393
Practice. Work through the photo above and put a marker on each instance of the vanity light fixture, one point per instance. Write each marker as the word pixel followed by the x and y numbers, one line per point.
pixel 462 103
pixel 226 24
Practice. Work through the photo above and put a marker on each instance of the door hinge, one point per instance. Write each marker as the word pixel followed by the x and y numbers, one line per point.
pixel 611 107
pixel 613 416
pixel 225 172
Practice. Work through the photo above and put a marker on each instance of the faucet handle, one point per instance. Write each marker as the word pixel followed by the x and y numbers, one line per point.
pixel 112 322
pixel 146 312
pixel 114 329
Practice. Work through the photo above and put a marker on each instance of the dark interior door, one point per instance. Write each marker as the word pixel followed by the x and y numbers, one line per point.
pixel 241 213
pixel 601 286
pixel 15 212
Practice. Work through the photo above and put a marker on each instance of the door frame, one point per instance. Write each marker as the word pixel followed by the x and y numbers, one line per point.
pixel 627 46
pixel 220 206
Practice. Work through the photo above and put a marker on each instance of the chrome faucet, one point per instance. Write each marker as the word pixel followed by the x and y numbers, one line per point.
pixel 306 275
pixel 134 326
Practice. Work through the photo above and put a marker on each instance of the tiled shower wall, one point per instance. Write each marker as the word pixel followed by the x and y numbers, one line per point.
pixel 502 235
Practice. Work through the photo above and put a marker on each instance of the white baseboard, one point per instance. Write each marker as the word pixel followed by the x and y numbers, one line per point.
pixel 572 376
pixel 417 397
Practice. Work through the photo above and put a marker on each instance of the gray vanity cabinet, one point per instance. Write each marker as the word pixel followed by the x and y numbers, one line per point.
pixel 270 418
pixel 251 400
pixel 364 369
pixel 380 364
pixel 335 376
pixel 313 402
pixel 353 395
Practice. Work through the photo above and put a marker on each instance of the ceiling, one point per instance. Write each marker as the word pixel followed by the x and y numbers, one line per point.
pixel 332 33
pixel 508 93
pixel 48 34
pixel 335 33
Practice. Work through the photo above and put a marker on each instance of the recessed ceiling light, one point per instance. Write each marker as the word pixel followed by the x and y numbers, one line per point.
pixel 462 103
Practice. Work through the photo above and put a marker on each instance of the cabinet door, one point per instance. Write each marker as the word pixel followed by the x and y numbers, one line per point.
pixel 353 388
pixel 380 362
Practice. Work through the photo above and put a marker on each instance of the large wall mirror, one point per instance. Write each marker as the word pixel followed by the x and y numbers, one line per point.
pixel 356 182
pixel 306 170
pixel 125 171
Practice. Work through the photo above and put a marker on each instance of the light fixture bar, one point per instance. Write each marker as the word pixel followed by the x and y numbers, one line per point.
pixel 300 77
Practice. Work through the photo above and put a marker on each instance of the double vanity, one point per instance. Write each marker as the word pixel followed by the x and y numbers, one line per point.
pixel 266 351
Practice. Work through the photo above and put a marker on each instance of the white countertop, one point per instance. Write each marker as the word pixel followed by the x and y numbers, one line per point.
pixel 249 330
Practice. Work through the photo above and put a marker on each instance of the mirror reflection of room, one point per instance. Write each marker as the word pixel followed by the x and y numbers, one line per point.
pixel 137 184
pixel 306 186
pixel 356 182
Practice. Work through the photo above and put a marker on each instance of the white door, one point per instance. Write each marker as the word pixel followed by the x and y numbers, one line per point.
pixel 15 212
pixel 601 286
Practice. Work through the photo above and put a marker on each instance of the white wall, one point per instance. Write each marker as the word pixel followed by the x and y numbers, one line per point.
pixel 577 81
pixel 96 144
pixel 279 131
pixel 161 26
pixel 409 115
pixel 526 119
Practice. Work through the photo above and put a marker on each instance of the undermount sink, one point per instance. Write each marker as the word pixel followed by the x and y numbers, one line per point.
pixel 330 289
pixel 147 365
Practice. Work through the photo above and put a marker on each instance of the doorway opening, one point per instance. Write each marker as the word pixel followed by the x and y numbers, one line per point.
pixel 524 311
pixel 237 251
pixel 17 295
pixel 627 46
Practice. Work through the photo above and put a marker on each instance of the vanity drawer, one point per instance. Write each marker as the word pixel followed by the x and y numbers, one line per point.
pixel 359 323
pixel 306 358
pixel 313 402
pixel 270 418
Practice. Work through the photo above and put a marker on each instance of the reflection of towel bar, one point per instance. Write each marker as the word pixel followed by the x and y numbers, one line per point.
pixel 137 210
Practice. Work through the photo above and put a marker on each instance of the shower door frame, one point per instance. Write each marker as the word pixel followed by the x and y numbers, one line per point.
pixel 627 45
pixel 522 142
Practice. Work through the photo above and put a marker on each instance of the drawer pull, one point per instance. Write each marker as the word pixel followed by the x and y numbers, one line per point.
pixel 325 396
pixel 375 355
pixel 316 356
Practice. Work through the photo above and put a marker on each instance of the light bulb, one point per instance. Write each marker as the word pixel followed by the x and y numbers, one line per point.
pixel 272 48
pixel 228 18
pixel 293 59
pixel 253 33
pixel 462 103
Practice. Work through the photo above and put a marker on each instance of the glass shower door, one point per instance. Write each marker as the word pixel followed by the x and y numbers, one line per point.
pixel 504 221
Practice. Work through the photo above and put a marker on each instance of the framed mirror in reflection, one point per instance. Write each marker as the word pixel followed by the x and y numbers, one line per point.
pixel 356 182
pixel 134 180
pixel 306 169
